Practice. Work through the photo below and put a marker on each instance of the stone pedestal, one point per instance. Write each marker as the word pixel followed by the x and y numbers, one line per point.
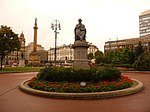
pixel 21 63
pixel 34 58
pixel 80 55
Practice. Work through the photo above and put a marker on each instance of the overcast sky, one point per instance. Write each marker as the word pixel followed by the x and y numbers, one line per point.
pixel 104 19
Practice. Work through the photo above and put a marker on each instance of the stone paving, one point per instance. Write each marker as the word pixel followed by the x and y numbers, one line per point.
pixel 14 100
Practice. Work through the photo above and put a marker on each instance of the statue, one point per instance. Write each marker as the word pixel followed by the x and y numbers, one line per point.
pixel 80 31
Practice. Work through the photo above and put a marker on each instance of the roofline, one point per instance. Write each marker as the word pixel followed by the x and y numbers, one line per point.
pixel 145 12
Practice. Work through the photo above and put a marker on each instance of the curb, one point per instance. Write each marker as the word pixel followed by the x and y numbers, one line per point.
pixel 17 72
pixel 137 87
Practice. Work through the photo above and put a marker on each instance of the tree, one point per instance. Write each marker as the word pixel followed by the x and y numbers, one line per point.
pixel 9 42
pixel 127 56
pixel 131 55
pixel 109 57
pixel 139 50
pixel 118 56
pixel 99 56
pixel 124 57
pixel 143 62
pixel 98 53
pixel 90 56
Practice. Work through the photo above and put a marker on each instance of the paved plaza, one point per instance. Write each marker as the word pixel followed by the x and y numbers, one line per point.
pixel 14 100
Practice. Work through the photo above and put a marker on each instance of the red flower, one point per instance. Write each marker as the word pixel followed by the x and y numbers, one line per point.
pixel 117 85
pixel 96 86
pixel 66 86
pixel 106 82
pixel 77 86
pixel 126 77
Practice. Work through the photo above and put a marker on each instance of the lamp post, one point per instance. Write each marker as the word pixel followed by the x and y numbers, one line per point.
pixel 55 25
pixel 70 52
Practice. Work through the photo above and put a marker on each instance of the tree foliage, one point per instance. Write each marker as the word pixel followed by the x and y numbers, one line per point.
pixel 90 56
pixel 109 57
pixel 99 56
pixel 127 57
pixel 143 62
pixel 124 56
pixel 9 42
pixel 139 50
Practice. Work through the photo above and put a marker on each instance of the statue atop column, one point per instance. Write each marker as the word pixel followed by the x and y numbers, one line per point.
pixel 80 31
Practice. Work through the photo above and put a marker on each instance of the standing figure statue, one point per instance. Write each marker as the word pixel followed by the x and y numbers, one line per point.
pixel 80 31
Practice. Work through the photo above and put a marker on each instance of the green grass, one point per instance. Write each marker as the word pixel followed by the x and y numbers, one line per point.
pixel 20 69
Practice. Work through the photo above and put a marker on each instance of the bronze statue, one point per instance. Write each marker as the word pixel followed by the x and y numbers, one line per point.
pixel 80 31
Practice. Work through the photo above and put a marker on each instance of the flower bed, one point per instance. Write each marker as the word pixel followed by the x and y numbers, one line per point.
pixel 75 87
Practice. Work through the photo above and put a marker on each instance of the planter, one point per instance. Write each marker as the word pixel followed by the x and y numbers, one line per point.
pixel 137 86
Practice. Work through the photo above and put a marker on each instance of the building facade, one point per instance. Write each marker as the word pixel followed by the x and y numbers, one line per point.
pixel 66 53
pixel 144 23
pixel 92 49
pixel 43 54
pixel 131 43
pixel 63 53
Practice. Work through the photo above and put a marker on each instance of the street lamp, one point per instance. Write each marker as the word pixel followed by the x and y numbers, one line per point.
pixel 55 25
pixel 70 46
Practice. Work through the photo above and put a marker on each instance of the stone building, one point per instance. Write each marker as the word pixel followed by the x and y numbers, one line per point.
pixel 92 49
pixel 43 54
pixel 144 23
pixel 66 53
pixel 131 43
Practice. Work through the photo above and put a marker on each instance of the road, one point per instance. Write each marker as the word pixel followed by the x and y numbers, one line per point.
pixel 14 100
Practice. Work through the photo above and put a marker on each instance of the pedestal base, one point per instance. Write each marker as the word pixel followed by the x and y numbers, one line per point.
pixel 34 59
pixel 80 55
pixel 81 64
pixel 21 63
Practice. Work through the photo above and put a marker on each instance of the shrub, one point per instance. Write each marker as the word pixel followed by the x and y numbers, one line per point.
pixel 124 65
pixel 54 74
pixel 108 73
pixel 59 74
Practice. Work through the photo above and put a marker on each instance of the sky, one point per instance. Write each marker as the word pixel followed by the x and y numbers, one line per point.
pixel 104 19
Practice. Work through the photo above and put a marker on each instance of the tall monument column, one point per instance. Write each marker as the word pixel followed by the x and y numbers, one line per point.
pixel 35 36
pixel 34 57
